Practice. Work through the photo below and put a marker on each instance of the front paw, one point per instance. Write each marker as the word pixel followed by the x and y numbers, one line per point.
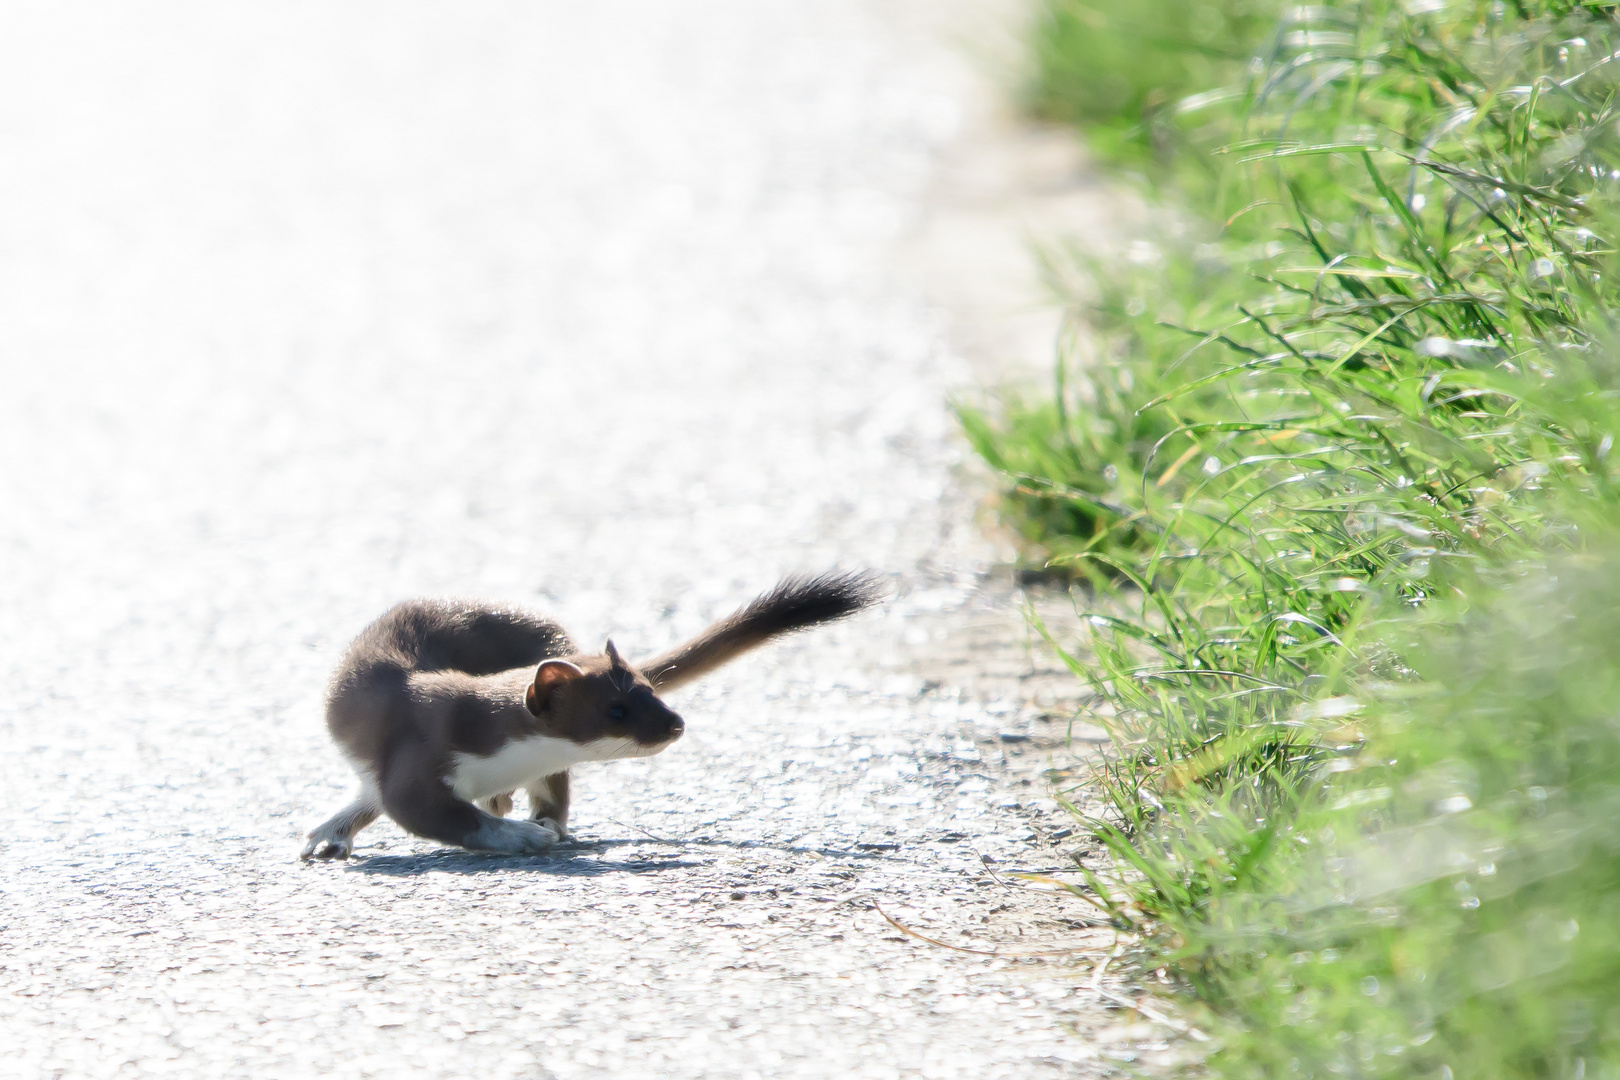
pixel 554 825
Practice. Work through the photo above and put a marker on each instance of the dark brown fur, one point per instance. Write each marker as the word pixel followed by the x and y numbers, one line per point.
pixel 443 707
pixel 795 603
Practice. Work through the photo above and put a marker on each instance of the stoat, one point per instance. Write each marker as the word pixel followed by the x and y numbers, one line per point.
pixel 445 708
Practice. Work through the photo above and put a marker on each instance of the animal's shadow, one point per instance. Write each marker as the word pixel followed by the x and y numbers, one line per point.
pixel 565 859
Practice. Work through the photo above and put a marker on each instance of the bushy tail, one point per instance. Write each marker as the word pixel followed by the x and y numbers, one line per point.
pixel 795 604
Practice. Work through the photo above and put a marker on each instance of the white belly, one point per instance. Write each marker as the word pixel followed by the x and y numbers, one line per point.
pixel 524 762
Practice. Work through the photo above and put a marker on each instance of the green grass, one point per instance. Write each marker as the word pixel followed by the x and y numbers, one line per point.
pixel 1125 71
pixel 1340 495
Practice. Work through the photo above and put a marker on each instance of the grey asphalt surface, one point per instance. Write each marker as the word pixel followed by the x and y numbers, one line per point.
pixel 309 308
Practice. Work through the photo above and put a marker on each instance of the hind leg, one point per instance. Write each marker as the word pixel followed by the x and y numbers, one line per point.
pixel 335 836
pixel 420 803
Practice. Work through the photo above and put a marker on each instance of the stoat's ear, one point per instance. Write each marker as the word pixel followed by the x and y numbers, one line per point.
pixel 620 673
pixel 552 673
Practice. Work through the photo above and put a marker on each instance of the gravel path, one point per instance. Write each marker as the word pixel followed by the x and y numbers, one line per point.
pixel 307 308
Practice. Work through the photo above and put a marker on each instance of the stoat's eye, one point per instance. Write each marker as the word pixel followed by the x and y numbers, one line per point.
pixel 616 712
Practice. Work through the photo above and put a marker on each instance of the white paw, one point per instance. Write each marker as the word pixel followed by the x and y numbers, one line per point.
pixel 330 847
pixel 513 837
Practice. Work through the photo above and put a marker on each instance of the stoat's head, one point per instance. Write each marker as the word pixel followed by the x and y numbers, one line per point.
pixel 602 700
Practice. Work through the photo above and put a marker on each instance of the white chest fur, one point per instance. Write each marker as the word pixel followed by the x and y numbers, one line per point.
pixel 524 762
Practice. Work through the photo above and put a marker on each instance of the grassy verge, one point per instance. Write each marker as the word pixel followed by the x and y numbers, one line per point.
pixel 1342 503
